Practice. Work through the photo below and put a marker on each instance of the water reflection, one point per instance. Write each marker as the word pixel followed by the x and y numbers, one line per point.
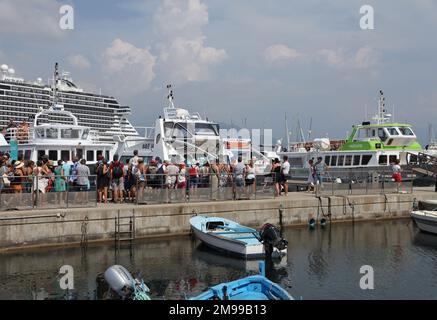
pixel 321 264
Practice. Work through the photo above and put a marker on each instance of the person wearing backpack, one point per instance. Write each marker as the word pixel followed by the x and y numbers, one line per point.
pixel 117 181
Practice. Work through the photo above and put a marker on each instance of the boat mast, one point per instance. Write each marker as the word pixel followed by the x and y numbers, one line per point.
pixel 310 131
pixel 55 89
pixel 170 97
pixel 382 116
pixel 287 133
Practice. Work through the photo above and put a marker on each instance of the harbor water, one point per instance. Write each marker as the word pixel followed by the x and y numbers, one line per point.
pixel 321 264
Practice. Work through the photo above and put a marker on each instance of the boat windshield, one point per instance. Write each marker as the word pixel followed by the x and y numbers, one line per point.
pixel 40 133
pixel 381 134
pixel 393 131
pixel 52 133
pixel 206 129
pixel 69 133
pixel 178 130
pixel 406 131
pixel 85 134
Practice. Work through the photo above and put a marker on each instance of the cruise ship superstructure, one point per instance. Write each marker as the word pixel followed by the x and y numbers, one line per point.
pixel 20 100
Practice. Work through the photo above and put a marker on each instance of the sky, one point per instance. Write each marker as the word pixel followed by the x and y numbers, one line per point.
pixel 241 61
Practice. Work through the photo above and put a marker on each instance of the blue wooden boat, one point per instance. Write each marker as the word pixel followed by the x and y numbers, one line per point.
pixel 228 236
pixel 256 287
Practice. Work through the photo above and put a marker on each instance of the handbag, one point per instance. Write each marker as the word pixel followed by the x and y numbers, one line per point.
pixel 6 181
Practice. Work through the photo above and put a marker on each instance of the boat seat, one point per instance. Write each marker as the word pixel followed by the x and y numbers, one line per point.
pixel 235 232
pixel 212 225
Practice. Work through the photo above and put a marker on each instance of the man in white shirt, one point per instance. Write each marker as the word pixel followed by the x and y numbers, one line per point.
pixel 172 174
pixel 285 174
pixel 133 162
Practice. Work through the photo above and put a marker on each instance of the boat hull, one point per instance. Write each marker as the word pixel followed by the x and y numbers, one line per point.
pixel 249 288
pixel 426 222
pixel 233 247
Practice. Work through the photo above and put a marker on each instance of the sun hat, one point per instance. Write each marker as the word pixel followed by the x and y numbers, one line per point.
pixel 18 165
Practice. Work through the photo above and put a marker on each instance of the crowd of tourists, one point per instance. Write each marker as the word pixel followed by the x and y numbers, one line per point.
pixel 129 180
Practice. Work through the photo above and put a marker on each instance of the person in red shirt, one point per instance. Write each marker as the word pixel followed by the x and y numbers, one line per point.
pixel 117 180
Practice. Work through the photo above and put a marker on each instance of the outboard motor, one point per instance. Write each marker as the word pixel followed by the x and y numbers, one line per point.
pixel 121 285
pixel 271 238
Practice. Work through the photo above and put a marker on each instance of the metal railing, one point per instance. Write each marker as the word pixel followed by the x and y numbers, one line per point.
pixel 361 182
pixel 158 188
pixel 46 192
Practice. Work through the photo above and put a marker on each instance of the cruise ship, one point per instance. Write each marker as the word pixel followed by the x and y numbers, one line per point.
pixel 21 100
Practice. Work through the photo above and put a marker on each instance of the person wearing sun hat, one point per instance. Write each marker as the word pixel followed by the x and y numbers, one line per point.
pixel 18 180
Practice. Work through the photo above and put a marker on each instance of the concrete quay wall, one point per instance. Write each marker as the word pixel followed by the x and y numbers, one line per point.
pixel 41 228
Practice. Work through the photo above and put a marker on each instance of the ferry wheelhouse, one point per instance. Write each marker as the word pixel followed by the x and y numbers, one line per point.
pixel 56 140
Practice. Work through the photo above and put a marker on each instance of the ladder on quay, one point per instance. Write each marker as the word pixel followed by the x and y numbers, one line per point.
pixel 124 229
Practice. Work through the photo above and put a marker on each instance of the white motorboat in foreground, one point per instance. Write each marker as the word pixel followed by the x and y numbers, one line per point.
pixel 426 216
pixel 228 236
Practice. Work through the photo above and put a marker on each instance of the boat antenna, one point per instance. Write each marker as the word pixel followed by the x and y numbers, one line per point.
pixel 287 133
pixel 170 97
pixel 302 136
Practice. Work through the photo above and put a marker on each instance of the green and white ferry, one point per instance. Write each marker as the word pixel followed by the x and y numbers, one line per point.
pixel 370 146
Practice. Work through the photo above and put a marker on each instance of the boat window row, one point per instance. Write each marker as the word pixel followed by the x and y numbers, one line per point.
pixel 27 89
pixel 26 95
pixel 55 133
pixel 67 155
pixel 348 160
pixel 20 109
pixel 85 98
pixel 183 130
pixel 385 160
pixel 383 133
pixel 101 109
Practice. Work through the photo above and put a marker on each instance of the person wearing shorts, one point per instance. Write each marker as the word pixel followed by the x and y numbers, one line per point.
pixel 397 175
pixel 117 181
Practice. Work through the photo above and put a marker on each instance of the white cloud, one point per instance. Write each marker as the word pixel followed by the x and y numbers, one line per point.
pixel 79 61
pixel 183 54
pixel 180 18
pixel 280 52
pixel 364 58
pixel 130 68
pixel 332 57
pixel 30 18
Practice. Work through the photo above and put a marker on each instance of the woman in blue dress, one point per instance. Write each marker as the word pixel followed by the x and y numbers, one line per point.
pixel 60 185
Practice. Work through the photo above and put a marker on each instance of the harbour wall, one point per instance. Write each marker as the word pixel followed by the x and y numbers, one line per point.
pixel 21 230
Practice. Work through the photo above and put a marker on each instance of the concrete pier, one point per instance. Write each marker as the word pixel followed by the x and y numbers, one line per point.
pixel 40 228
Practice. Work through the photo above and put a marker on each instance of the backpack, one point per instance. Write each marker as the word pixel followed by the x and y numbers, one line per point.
pixel 160 178
pixel 160 169
pixel 117 171
pixel 99 170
